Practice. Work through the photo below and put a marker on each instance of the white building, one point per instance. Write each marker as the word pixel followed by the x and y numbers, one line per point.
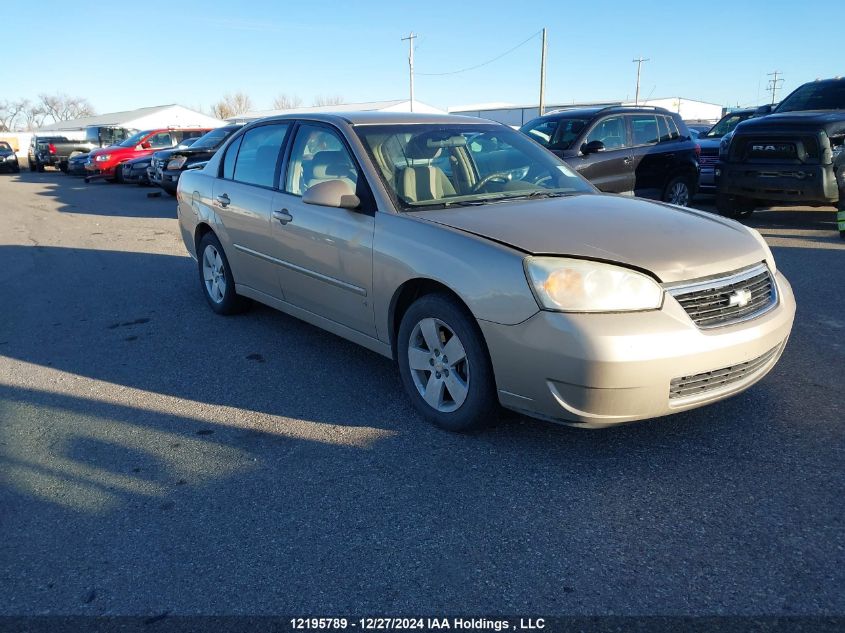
pixel 141 119
pixel 517 115
pixel 400 105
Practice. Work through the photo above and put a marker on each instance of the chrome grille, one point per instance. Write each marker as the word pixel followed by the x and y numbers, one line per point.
pixel 688 386
pixel 729 299
pixel 708 161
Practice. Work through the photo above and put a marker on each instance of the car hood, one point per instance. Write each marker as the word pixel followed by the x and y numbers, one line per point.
pixel 709 143
pixel 189 152
pixel 673 243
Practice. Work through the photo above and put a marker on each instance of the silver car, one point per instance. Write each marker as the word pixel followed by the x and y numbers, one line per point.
pixel 485 267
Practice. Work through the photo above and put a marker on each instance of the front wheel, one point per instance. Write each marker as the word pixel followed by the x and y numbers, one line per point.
pixel 444 365
pixel 118 174
pixel 678 191
pixel 840 214
pixel 216 279
pixel 734 207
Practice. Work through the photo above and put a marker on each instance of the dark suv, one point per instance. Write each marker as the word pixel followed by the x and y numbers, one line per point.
pixel 644 151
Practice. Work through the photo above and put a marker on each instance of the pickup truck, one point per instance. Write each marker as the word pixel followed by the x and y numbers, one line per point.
pixel 790 154
pixel 105 162
pixel 42 151
pixel 56 151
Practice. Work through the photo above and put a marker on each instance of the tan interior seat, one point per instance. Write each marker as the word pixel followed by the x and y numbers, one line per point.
pixel 421 180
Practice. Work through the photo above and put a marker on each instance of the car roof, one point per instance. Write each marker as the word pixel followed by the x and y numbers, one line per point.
pixel 381 118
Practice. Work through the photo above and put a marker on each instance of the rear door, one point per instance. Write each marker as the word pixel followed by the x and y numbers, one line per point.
pixel 650 159
pixel 610 170
pixel 326 253
pixel 242 198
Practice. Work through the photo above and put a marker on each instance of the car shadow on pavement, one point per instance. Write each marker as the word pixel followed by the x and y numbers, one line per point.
pixel 99 197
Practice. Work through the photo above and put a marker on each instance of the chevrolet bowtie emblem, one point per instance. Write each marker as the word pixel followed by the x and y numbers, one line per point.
pixel 739 298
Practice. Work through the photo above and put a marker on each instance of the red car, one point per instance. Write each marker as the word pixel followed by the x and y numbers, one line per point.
pixel 103 162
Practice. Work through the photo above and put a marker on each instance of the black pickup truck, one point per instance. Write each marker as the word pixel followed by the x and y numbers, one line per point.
pixel 793 155
pixel 56 151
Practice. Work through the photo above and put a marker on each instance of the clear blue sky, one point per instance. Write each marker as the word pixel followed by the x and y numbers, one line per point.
pixel 124 55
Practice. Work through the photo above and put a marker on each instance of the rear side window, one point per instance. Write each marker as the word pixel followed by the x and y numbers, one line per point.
pixel 229 159
pixel 644 129
pixel 258 154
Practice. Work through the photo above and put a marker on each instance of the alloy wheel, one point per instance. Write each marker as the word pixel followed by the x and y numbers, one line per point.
pixel 214 274
pixel 679 194
pixel 439 365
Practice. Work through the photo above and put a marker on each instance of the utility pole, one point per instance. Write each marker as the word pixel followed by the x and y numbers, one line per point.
pixel 411 39
pixel 543 75
pixel 639 62
pixel 773 85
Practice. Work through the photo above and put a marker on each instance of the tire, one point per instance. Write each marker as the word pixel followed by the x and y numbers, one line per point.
pixel 734 206
pixel 118 174
pixel 31 164
pixel 63 167
pixel 16 169
pixel 216 279
pixel 464 391
pixel 678 191
pixel 39 166
pixel 171 192
pixel 840 214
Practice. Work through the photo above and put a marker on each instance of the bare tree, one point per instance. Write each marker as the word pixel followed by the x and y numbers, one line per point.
pixel 287 102
pixel 231 105
pixel 33 115
pixel 61 107
pixel 9 112
pixel 320 100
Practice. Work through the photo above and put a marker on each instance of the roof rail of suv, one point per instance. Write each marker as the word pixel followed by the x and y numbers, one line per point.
pixel 605 108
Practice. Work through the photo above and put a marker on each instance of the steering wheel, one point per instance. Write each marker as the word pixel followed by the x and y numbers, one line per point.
pixel 504 176
pixel 541 179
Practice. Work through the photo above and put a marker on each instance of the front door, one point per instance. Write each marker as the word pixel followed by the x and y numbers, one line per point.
pixel 611 169
pixel 326 253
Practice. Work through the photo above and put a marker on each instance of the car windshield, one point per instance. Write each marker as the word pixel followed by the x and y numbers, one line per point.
pixel 559 133
pixel 133 140
pixel 437 165
pixel 726 124
pixel 213 139
pixel 823 95
pixel 5 146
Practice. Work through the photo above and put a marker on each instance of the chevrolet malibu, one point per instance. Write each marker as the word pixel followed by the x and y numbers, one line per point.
pixel 488 270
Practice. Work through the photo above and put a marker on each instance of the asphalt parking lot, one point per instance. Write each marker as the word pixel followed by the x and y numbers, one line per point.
pixel 157 458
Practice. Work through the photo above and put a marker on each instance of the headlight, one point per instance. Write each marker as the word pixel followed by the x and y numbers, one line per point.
pixel 177 163
pixel 770 259
pixel 11 157
pixel 102 157
pixel 576 285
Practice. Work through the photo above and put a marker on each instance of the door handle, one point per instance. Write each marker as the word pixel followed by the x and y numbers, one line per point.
pixel 628 160
pixel 283 216
pixel 223 200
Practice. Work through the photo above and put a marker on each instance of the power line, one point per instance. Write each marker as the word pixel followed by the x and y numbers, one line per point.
pixel 489 61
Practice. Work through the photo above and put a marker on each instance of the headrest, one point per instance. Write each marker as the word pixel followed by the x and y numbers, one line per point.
pixel 327 164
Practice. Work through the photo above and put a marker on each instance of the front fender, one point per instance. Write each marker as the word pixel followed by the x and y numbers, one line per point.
pixel 487 276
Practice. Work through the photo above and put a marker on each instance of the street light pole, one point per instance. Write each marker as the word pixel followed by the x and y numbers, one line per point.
pixel 543 75
pixel 639 62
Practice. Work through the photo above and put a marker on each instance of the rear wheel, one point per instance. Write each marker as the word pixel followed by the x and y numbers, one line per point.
pixel 735 207
pixel 840 214
pixel 39 166
pixel 678 191
pixel 444 365
pixel 216 279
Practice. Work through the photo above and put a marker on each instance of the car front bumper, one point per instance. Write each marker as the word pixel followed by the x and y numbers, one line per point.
pixel 598 370
pixel 808 184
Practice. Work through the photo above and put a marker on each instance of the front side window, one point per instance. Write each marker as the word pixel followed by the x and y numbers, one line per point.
pixel 133 140
pixel 610 131
pixel 162 139
pixel 318 155
pixel 644 129
pixel 259 153
pixel 230 158
pixel 486 164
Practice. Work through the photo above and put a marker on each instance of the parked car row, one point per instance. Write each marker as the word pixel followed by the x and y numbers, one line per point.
pixel 57 151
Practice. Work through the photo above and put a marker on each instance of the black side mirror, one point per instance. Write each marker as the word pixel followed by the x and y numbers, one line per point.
pixel 766 109
pixel 592 147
